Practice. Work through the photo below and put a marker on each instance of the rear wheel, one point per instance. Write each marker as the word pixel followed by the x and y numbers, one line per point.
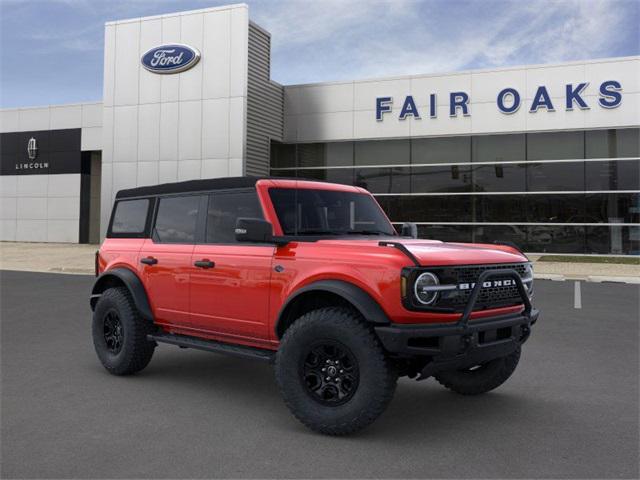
pixel 333 373
pixel 120 333
pixel 481 378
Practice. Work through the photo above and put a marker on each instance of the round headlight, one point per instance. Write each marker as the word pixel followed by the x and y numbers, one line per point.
pixel 421 288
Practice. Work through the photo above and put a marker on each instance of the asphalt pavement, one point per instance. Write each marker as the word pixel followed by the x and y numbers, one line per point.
pixel 569 411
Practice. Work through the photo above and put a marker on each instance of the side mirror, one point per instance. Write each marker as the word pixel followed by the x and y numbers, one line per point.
pixel 253 230
pixel 409 229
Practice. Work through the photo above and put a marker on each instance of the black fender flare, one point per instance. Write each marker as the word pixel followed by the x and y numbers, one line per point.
pixel 370 310
pixel 133 284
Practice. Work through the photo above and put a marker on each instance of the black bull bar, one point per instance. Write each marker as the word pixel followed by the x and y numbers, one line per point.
pixel 463 344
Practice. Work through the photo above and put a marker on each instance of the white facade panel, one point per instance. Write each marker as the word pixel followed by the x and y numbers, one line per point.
pixel 168 171
pixel 109 68
pixel 32 185
pixel 217 63
pixel 169 84
pixel 189 169
pixel 169 131
pixel 31 230
pixel 65 116
pixel 125 133
pixel 149 83
pixel 8 230
pixel 149 132
pixel 126 63
pixel 91 115
pixel 215 168
pixel 483 115
pixel 215 128
pixel 8 208
pixel 148 173
pixel 191 34
pixel 9 120
pixel 8 185
pixel 238 60
pixel 91 138
pixel 64 185
pixel 63 208
pixel 190 130
pixel 31 208
pixel 63 231
pixel 33 119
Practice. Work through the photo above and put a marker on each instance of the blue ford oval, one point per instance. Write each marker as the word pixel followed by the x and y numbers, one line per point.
pixel 173 58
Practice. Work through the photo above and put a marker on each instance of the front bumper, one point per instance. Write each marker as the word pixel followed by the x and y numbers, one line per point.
pixel 462 344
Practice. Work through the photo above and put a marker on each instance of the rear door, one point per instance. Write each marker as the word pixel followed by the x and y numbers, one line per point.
pixel 165 258
pixel 230 280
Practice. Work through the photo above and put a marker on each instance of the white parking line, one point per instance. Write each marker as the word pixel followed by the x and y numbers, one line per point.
pixel 577 295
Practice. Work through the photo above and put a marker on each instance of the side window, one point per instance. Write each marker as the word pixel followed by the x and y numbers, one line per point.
pixel 130 217
pixel 224 210
pixel 176 219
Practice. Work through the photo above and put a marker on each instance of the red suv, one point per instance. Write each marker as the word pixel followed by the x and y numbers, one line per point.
pixel 313 278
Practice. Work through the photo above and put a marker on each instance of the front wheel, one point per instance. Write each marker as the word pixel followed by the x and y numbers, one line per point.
pixel 481 378
pixel 333 373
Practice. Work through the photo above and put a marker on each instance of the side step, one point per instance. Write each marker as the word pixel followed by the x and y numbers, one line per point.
pixel 185 341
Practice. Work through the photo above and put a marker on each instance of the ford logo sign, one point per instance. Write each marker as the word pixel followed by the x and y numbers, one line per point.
pixel 173 58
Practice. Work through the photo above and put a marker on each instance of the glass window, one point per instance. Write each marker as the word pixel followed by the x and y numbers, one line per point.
pixel 613 175
pixel 283 155
pixel 441 150
pixel 428 208
pixel 130 216
pixel 440 179
pixel 558 208
pixel 612 143
pixel 613 240
pixel 382 152
pixel 333 175
pixel 613 208
pixel 328 212
pixel 224 211
pixel 499 148
pixel 446 233
pixel 555 145
pixel 325 154
pixel 499 178
pixel 548 177
pixel 176 219
pixel 384 180
pixel 499 208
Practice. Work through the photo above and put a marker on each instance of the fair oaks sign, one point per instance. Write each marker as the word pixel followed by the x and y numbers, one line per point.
pixel 508 100
pixel 173 58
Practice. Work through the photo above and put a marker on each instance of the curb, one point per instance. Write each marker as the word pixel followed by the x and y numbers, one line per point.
pixel 587 278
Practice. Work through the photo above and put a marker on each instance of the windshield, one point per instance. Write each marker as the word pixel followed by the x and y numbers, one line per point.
pixel 328 212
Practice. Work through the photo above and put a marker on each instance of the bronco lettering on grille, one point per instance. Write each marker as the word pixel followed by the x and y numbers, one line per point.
pixel 488 284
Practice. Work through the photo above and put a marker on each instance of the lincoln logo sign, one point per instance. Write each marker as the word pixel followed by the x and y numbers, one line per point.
pixel 508 101
pixel 172 58
pixel 32 154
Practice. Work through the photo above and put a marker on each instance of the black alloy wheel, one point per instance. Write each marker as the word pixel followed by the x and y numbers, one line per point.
pixel 113 333
pixel 330 373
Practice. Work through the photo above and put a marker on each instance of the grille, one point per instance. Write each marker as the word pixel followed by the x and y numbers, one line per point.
pixel 492 297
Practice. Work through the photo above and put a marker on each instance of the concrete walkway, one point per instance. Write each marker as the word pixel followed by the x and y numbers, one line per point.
pixel 72 258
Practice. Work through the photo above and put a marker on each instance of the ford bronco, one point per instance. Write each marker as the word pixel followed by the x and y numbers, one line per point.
pixel 313 278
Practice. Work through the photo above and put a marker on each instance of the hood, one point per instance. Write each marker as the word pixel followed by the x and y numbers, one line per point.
pixel 437 253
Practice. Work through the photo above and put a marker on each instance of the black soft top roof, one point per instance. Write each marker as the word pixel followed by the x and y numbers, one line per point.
pixel 191 186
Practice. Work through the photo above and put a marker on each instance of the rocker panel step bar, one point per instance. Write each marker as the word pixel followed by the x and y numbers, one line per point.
pixel 214 346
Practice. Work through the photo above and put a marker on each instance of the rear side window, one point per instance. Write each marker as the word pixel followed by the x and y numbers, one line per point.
pixel 224 210
pixel 176 219
pixel 130 217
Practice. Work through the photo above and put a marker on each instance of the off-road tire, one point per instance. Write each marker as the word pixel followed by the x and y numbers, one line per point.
pixel 136 351
pixel 481 380
pixel 376 376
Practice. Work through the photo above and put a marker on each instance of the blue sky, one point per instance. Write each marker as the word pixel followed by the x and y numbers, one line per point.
pixel 51 51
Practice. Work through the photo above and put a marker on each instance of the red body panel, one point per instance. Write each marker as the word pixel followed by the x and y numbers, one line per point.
pixel 239 300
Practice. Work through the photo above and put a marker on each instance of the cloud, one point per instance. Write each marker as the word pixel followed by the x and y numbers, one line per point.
pixel 342 40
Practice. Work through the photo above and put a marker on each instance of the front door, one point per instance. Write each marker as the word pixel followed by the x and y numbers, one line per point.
pixel 165 259
pixel 230 280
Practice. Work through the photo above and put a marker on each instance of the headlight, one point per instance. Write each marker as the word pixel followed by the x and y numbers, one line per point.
pixel 424 294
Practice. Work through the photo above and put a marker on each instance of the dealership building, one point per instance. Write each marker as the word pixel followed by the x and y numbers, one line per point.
pixel 545 156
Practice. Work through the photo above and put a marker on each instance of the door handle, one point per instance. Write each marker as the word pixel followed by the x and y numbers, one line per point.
pixel 204 264
pixel 149 261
